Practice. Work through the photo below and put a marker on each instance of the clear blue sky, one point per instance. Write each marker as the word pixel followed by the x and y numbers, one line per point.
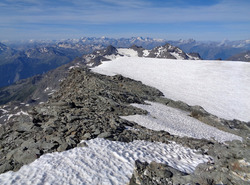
pixel 168 19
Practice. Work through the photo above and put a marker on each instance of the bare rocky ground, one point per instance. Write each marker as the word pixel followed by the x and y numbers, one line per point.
pixel 89 105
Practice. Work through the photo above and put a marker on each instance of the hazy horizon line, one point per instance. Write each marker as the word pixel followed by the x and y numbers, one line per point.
pixel 108 37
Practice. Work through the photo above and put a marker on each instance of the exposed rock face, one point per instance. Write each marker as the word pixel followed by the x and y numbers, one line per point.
pixel 139 50
pixel 167 51
pixel 194 56
pixel 245 56
pixel 98 56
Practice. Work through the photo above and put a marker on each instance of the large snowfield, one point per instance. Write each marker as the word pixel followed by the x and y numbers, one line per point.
pixel 103 162
pixel 220 87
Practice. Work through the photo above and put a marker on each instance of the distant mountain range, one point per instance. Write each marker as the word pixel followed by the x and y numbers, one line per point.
pixel 213 50
pixel 209 50
pixel 20 60
pixel 20 63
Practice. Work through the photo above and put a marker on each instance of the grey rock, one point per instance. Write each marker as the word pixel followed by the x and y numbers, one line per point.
pixel 6 167
pixel 63 147
pixel 49 146
pixel 24 127
pixel 154 174
pixel 86 136
pixel 104 135
pixel 82 144
pixel 27 156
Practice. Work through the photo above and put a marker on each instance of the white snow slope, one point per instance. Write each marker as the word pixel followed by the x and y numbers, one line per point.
pixel 102 162
pixel 177 122
pixel 128 52
pixel 221 87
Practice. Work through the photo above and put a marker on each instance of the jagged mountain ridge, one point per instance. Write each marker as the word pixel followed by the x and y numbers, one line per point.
pixel 213 50
pixel 208 50
pixel 166 51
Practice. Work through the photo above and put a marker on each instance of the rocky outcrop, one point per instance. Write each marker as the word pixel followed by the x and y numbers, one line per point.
pixel 229 167
pixel 98 56
pixel 138 49
pixel 194 56
pixel 154 174
pixel 166 51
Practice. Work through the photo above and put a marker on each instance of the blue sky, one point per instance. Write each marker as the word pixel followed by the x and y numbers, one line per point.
pixel 168 19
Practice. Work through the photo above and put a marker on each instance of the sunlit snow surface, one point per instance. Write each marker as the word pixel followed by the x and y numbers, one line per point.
pixel 177 122
pixel 128 52
pixel 102 162
pixel 221 87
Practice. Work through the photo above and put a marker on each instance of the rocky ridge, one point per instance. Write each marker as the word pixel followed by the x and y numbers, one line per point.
pixel 166 51
pixel 171 52
pixel 89 105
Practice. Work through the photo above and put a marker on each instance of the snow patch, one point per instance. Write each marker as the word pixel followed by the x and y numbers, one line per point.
pixel 47 89
pixel 89 57
pixel 75 66
pixel 160 50
pixel 192 57
pixel 17 114
pixel 247 56
pixel 145 53
pixel 177 56
pixel 128 52
pixel 110 57
pixel 4 111
pixel 90 64
pixel 177 122
pixel 102 162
